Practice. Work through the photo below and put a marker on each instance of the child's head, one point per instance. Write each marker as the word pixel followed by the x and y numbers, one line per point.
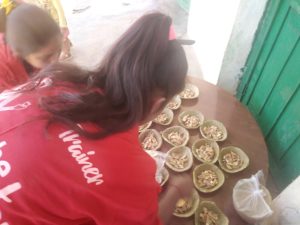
pixel 33 35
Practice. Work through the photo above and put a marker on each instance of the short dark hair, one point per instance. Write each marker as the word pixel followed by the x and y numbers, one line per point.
pixel 29 28
pixel 141 62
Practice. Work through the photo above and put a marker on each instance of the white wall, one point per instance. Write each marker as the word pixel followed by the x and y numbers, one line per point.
pixel 240 43
pixel 286 206
pixel 210 25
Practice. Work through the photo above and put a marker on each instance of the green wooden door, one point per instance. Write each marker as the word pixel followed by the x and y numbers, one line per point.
pixel 270 86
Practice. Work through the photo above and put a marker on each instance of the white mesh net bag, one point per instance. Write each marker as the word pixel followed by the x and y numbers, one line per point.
pixel 252 200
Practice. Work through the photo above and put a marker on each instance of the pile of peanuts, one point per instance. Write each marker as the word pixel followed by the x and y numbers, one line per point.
pixel 178 160
pixel 208 217
pixel 191 121
pixel 213 132
pixel 173 105
pixel 183 205
pixel 187 93
pixel 207 179
pixel 162 118
pixel 150 142
pixel 232 160
pixel 205 152
pixel 176 138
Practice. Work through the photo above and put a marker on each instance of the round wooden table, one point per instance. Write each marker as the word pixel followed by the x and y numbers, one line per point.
pixel 243 132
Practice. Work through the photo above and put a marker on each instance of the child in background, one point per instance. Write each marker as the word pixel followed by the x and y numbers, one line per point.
pixel 55 9
pixel 31 41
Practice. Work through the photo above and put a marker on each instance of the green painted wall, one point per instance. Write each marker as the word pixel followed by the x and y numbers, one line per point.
pixel 184 4
pixel 270 86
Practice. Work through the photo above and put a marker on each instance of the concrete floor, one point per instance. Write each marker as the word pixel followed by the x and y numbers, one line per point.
pixel 94 30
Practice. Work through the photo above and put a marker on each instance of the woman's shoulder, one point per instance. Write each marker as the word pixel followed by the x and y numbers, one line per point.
pixel 18 106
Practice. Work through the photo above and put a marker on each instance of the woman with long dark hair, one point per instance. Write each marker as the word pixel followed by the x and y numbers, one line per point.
pixel 69 147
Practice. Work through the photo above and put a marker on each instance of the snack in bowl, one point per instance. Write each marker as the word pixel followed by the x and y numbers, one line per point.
pixel 176 138
pixel 209 214
pixel 179 158
pixel 165 117
pixel 187 93
pixel 162 118
pixel 174 103
pixel 183 205
pixel 190 91
pixel 176 135
pixel 150 139
pixel 208 217
pixel 213 130
pixel 144 126
pixel 206 151
pixel 186 207
pixel 190 119
pixel 233 159
pixel 207 177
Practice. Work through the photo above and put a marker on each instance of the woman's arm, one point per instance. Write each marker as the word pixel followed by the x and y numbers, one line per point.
pixel 180 186
pixel 167 204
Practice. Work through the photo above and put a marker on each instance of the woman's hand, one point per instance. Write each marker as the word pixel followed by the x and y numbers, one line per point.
pixel 179 186
pixel 183 183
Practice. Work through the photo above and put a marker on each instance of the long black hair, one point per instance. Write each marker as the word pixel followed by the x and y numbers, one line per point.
pixel 120 92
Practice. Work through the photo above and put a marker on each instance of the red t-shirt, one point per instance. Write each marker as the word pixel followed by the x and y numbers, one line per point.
pixel 56 177
pixel 12 70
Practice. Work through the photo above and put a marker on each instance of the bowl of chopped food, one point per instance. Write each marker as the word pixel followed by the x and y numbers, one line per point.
pixel 179 159
pixel 186 207
pixel 208 213
pixel 233 159
pixel 213 130
pixel 190 91
pixel 165 117
pixel 206 151
pixel 144 126
pixel 175 103
pixel 207 177
pixel 190 119
pixel 176 136
pixel 150 139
